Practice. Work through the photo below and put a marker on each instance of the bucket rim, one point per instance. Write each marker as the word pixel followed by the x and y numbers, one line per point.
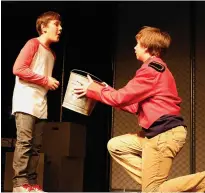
pixel 93 76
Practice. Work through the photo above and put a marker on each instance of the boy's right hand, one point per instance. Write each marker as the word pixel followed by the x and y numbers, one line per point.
pixel 53 84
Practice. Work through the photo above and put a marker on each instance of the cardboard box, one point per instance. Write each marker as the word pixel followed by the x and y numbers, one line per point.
pixel 63 174
pixel 64 139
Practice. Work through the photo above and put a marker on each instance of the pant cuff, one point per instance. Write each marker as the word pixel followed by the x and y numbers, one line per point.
pixel 19 182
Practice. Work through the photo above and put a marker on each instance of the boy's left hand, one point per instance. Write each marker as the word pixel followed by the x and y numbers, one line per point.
pixel 81 90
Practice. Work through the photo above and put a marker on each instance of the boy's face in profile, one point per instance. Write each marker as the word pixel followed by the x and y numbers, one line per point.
pixel 53 30
pixel 140 51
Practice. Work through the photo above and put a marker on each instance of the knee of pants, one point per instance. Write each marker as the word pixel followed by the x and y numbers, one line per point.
pixel 112 145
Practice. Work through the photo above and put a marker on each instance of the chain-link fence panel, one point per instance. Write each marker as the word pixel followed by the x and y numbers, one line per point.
pixel 200 87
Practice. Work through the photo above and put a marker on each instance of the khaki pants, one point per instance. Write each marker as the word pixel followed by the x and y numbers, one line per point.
pixel 148 161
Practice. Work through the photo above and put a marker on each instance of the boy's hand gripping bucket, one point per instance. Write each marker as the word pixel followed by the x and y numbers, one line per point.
pixel 83 105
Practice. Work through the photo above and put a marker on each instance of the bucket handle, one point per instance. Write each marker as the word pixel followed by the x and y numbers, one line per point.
pixel 86 73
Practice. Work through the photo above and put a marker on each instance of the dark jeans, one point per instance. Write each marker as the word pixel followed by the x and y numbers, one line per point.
pixel 27 149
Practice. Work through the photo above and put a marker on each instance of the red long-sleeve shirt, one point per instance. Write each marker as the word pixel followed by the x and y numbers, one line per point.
pixel 150 94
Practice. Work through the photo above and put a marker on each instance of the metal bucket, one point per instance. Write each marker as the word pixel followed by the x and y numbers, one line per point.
pixel 83 105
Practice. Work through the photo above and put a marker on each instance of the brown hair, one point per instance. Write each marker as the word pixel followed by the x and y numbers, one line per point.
pixel 45 18
pixel 154 40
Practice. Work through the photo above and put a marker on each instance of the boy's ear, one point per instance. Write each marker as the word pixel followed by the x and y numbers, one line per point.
pixel 43 28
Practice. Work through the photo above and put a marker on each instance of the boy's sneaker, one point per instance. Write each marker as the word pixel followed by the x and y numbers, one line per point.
pixel 23 188
pixel 36 188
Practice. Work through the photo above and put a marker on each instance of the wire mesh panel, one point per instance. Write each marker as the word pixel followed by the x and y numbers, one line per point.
pixel 200 87
pixel 129 22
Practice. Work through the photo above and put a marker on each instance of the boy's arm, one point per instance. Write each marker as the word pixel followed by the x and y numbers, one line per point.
pixel 22 64
pixel 133 108
pixel 136 90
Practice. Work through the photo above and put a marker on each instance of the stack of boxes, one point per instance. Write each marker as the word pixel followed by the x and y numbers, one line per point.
pixel 61 165
pixel 64 146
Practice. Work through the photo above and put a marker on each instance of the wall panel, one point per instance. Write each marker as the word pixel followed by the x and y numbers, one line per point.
pixel 200 86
